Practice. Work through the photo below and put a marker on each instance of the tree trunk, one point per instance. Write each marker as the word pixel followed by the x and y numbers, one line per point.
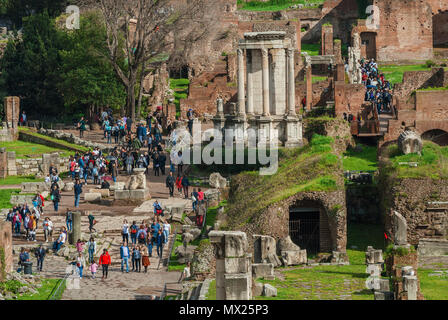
pixel 140 92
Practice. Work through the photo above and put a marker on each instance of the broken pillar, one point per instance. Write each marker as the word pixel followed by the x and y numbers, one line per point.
pixel 264 246
pixel 233 265
pixel 75 234
pixel 327 40
pixel 3 163
pixel 410 142
pixel 309 87
pixel 400 229
pixel 410 286
pixel 6 261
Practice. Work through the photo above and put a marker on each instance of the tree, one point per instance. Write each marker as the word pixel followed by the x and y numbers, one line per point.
pixel 149 32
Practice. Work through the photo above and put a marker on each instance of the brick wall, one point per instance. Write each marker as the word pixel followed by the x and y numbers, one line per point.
pixel 6 248
pixel 348 98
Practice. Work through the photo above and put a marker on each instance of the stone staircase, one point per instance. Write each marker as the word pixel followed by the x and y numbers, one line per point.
pixel 384 122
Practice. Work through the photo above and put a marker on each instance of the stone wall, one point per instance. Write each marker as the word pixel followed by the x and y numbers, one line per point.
pixel 35 166
pixel 348 98
pixel 439 20
pixel 412 199
pixel 6 258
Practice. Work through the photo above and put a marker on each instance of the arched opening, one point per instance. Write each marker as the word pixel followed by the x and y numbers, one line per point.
pixel 369 40
pixel 437 136
pixel 308 226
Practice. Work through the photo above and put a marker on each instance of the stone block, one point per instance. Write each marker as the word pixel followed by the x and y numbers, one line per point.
pixel 286 244
pixel 122 195
pixel 269 291
pixel 410 285
pixel 257 289
pixel 235 244
pixel 139 194
pixel 273 258
pixel 384 284
pixel 399 227
pixel 33 187
pixel 236 265
pixel 217 181
pixel 293 258
pixel 117 186
pixel 92 197
pixel 68 186
pixel 237 287
pixel 105 193
pixel 261 270
pixel 374 256
pixel 264 246
pixel 176 213
pixel 384 295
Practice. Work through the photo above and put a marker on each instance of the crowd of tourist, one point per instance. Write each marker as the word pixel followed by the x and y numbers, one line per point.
pixel 94 167
pixel 378 89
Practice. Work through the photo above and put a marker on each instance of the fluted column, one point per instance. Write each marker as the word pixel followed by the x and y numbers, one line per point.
pixel 265 71
pixel 291 83
pixel 250 91
pixel 241 91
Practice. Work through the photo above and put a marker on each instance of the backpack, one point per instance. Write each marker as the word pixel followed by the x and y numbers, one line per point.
pixel 142 235
pixel 134 229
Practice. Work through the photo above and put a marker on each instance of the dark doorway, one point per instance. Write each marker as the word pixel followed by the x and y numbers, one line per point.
pixel 369 39
pixel 304 228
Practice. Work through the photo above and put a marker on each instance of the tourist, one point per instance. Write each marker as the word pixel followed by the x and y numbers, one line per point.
pixel 180 163
pixel 166 229
pixel 40 256
pixel 124 256
pixel 136 256
pixel 69 220
pixel 78 191
pixel 179 184
pixel 23 119
pixel 61 240
pixel 186 273
pixel 32 228
pixel 93 268
pixel 82 127
pixel 48 229
pixel 91 248
pixel 141 235
pixel 170 183
pixel 105 261
pixel 200 196
pixel 55 196
pixel 185 184
pixel 156 163
pixel 125 231
pixel 92 222
pixel 190 116
pixel 23 257
pixel 80 263
pixel 134 230
pixel 79 246
pixel 194 199
pixel 160 241
pixel 129 163
pixel 162 162
pixel 145 257
pixel 17 222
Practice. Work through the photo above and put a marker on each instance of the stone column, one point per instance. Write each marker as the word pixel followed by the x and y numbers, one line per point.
pixel 291 83
pixel 265 68
pixel 233 265
pixel 75 234
pixel 309 87
pixel 241 91
pixel 250 84
pixel 3 163
pixel 220 106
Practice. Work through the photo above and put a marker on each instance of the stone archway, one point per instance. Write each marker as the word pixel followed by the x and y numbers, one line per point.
pixel 309 227
pixel 437 136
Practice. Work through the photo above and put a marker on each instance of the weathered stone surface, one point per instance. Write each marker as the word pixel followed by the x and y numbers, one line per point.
pixel 217 181
pixel 432 247
pixel 187 237
pixel 122 194
pixel 264 246
pixel 237 287
pixel 399 227
pixel 117 186
pixel 410 285
pixel 68 186
pixel 384 295
pixel 184 254
pixel 177 212
pixel 269 291
pixel 410 142
pixel 374 256
pixel 137 180
pixel 230 243
pixel 92 197
pixel 257 289
pixel 21 199
pixel 237 265
pixel 33 187
pixel 203 261
pixel 139 194
pixel 104 192
pixel 286 244
pixel 212 196
pixel 274 259
pixel 293 258
pixel 261 270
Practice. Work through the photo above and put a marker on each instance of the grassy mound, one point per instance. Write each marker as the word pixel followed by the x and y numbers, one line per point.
pixel 432 163
pixel 315 167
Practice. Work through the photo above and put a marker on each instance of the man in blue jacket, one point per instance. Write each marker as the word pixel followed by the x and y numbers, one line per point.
pixel 160 240
pixel 78 191
pixel 124 255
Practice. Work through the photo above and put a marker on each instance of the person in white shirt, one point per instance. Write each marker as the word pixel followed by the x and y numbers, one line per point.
pixel 125 232
pixel 186 273
pixel 166 230
pixel 61 240
pixel 48 229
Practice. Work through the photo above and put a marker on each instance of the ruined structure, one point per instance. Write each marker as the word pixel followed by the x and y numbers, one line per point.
pixel 9 130
pixel 266 98
pixel 6 257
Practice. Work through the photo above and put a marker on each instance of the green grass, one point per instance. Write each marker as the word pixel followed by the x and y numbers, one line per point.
pixel 70 146
pixel 174 265
pixel 274 5
pixel 5 197
pixel 45 292
pixel 31 150
pixel 19 179
pixel 433 288
pixel 211 294
pixel 311 48
pixel 180 88
pixel 433 162
pixel 364 160
pixel 394 73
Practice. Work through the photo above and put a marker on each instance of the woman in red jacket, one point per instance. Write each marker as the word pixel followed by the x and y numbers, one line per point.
pixel 105 262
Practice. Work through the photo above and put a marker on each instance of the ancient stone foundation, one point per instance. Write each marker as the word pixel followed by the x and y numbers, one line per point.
pixel 233 265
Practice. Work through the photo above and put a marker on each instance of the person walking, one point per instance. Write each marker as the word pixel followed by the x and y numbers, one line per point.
pixel 91 248
pixel 141 235
pixel 55 196
pixel 40 256
pixel 185 184
pixel 105 261
pixel 124 256
pixel 82 127
pixel 48 229
pixel 79 246
pixel 136 255
pixel 145 258
pixel 170 181
pixel 93 268
pixel 78 190
pixel 92 222
pixel 134 230
pixel 160 241
pixel 179 184
pixel 166 230
pixel 80 263
pixel 125 231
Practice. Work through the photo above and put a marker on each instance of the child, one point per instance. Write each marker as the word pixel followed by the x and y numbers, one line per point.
pixel 93 268
pixel 79 246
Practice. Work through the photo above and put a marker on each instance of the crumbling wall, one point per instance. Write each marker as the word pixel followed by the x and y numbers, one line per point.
pixel 6 258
